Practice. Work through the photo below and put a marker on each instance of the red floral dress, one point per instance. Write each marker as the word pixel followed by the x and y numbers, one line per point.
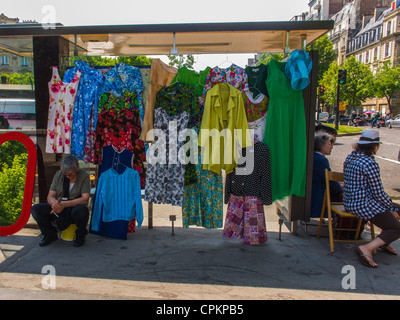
pixel 120 128
pixel 59 124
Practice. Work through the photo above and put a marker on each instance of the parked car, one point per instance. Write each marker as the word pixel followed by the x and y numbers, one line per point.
pixel 342 119
pixel 393 123
pixel 323 117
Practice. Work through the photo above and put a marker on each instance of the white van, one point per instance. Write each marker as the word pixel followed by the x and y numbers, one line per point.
pixel 323 116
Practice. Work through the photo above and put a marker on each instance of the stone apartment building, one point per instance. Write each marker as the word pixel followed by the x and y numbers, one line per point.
pixel 348 20
pixel 366 29
pixel 9 61
pixel 377 42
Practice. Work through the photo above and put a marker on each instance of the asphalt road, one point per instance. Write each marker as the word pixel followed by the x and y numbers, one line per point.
pixel 386 157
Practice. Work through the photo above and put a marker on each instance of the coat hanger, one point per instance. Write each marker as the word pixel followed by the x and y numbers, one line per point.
pixel 227 60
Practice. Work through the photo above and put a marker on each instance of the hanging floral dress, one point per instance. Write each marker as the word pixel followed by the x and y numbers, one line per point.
pixel 59 124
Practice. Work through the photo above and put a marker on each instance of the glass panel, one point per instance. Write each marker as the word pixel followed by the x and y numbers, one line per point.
pixel 17 91
pixel 17 113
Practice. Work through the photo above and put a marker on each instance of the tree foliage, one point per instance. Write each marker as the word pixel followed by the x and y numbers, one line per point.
pixel 19 78
pixel 358 86
pixel 8 150
pixel 326 54
pixel 179 61
pixel 268 56
pixel 12 185
pixel 98 61
pixel 386 82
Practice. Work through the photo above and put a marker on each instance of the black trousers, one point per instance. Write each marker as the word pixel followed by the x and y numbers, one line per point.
pixel 390 226
pixel 78 215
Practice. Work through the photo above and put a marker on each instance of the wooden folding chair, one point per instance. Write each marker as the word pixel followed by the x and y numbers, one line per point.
pixel 339 210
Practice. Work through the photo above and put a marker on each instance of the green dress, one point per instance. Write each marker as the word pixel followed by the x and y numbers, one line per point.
pixel 285 134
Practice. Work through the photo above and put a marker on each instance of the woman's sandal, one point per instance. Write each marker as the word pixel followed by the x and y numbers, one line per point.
pixel 388 249
pixel 365 259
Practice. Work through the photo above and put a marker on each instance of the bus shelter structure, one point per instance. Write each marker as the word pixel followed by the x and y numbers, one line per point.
pixel 52 45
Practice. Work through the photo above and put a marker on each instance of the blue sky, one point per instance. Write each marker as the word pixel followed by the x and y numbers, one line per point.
pixel 94 12
pixel 117 12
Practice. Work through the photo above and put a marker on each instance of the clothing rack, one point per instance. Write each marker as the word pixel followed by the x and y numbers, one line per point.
pixel 51 45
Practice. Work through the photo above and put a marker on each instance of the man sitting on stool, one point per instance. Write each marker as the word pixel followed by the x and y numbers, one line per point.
pixel 66 203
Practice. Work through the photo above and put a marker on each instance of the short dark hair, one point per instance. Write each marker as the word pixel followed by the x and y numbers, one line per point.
pixel 367 149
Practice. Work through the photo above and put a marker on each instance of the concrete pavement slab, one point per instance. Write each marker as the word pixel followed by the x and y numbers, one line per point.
pixel 194 264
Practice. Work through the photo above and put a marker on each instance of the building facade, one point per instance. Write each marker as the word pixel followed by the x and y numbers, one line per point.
pixel 378 42
pixel 369 30
pixel 9 61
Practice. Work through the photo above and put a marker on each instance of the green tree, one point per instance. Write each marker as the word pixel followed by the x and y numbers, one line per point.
pixel 386 82
pixel 98 61
pixel 179 61
pixel 326 54
pixel 12 185
pixel 268 56
pixel 19 78
pixel 8 150
pixel 358 86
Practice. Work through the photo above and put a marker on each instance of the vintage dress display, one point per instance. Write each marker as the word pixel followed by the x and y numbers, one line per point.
pixel 257 77
pixel 165 172
pixel 119 198
pixel 124 78
pixel 161 75
pixel 234 75
pixel 245 219
pixel 119 160
pixel 86 105
pixel 246 194
pixel 223 109
pixel 285 134
pixel 255 108
pixel 119 105
pixel 59 124
pixel 203 201
pixel 119 124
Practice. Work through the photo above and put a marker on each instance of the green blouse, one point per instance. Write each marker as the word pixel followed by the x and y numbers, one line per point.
pixel 192 78
pixel 81 185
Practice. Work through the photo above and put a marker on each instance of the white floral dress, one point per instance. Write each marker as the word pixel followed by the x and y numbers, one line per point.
pixel 59 124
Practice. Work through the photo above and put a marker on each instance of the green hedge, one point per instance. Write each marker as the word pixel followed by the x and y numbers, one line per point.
pixel 13 162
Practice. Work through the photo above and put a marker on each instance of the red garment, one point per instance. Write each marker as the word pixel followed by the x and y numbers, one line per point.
pixel 121 128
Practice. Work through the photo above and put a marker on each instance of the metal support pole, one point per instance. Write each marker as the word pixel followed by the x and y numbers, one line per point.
pixel 287 44
pixel 76 45
pixel 337 107
pixel 150 213
pixel 173 219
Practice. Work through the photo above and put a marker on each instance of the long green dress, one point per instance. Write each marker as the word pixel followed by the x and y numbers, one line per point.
pixel 285 134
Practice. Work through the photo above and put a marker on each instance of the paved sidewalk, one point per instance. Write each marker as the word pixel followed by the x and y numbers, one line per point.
pixel 194 264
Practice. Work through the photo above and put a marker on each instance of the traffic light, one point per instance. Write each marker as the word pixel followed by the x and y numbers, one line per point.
pixel 321 91
pixel 342 76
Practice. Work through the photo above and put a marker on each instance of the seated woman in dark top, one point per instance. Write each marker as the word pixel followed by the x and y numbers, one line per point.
pixel 66 203
pixel 323 145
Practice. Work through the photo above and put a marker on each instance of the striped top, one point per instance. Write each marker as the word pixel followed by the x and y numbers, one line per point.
pixel 119 196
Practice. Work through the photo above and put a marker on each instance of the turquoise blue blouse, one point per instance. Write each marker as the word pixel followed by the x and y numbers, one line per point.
pixel 120 197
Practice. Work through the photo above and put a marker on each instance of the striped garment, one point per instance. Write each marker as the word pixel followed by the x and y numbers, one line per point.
pixel 120 197
pixel 364 195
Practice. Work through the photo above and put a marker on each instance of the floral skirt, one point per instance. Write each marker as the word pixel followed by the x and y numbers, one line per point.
pixel 246 219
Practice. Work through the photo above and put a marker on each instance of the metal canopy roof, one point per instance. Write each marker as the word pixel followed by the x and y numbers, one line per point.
pixel 159 39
